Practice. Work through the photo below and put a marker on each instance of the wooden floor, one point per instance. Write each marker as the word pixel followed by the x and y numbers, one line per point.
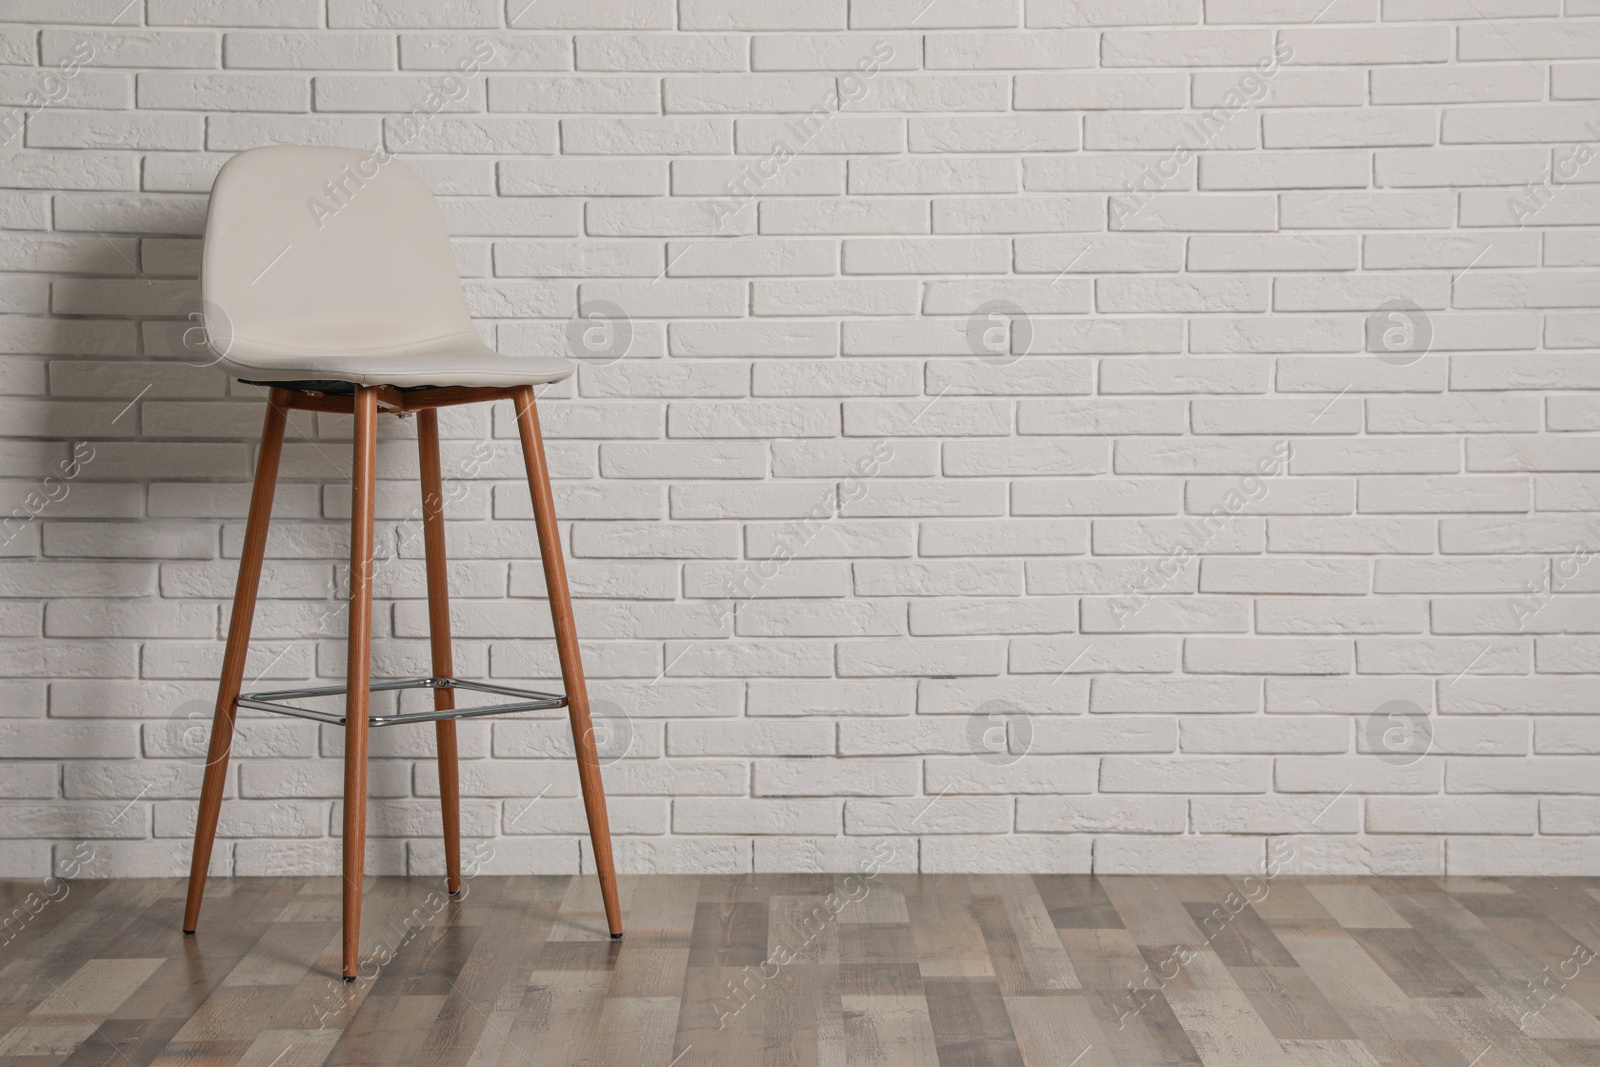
pixel 1064 971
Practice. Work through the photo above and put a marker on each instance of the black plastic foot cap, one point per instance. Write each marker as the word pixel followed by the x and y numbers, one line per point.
pixel 616 937
pixel 188 933
pixel 349 978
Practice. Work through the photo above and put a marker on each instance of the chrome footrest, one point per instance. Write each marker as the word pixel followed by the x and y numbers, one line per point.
pixel 529 700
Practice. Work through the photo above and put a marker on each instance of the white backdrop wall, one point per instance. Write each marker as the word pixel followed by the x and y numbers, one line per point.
pixel 1061 436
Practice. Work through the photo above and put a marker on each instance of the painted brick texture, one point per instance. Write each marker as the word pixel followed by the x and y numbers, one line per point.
pixel 1048 436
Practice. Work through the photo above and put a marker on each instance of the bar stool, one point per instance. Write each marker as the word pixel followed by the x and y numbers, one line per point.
pixel 328 276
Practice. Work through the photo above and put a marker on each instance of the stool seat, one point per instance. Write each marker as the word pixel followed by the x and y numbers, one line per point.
pixel 459 360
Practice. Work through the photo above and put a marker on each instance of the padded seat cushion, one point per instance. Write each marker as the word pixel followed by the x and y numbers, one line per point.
pixel 464 360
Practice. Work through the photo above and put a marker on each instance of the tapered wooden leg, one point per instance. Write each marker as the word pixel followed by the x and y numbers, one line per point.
pixel 236 650
pixel 555 580
pixel 439 636
pixel 359 670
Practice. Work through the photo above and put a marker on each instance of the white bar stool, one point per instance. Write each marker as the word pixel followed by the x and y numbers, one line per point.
pixel 328 275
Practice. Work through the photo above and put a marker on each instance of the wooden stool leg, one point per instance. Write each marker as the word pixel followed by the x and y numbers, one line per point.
pixel 555 580
pixel 439 636
pixel 236 650
pixel 359 670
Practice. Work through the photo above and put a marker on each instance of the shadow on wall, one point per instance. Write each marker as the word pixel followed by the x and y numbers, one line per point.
pixel 130 457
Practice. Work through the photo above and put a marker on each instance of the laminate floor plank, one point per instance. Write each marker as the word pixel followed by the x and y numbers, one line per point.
pixel 949 940
pixel 1241 939
pixel 1291 1005
pixel 1151 912
pixel 888 1031
pixel 1149 1034
pixel 1413 964
pixel 1224 1028
pixel 1005 953
pixel 1348 1053
pixel 813 970
pixel 803 1018
pixel 1356 905
pixel 1058 1029
pixel 970 1024
pixel 878 960
pixel 1359 990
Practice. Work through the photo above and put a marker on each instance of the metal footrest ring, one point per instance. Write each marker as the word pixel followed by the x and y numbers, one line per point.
pixel 528 700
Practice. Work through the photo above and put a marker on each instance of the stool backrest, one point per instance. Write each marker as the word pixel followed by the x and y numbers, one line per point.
pixel 326 250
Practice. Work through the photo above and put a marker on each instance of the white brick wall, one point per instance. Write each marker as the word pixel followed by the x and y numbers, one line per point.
pixel 1046 430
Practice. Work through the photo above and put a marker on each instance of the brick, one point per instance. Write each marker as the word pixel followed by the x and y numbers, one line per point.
pixel 1287 89
pixel 398 14
pixel 852 134
pixel 835 777
pixel 967 815
pixel 869 176
pixel 715 177
pixel 729 816
pixel 1286 170
pixel 1016 853
pixel 1390 127
pixel 1160 131
pixel 131 48
pixel 657 52
pixel 613 14
pixel 1245 655
pixel 1176 774
pixel 1102 815
pixel 1006 51
pixel 1056 656
pixel 280 51
pixel 729 15
pixel 1327 45
pixel 1276 815
pixel 296 13
pixel 646 136
pixel 1063 91
pixel 223 92
pixel 1529 40
pixel 1024 215
pixel 971 255
pixel 1429 815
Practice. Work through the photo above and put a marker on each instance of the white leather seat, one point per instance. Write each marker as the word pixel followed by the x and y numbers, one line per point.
pixel 330 265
